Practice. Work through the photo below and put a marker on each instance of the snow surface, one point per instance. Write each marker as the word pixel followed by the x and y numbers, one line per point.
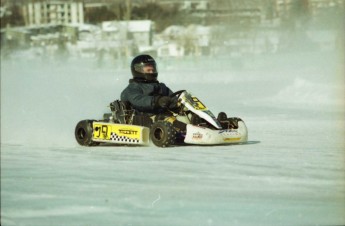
pixel 291 172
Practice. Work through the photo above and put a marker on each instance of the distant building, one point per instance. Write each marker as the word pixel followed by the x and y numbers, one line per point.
pixel 141 31
pixel 177 41
pixel 171 49
pixel 53 12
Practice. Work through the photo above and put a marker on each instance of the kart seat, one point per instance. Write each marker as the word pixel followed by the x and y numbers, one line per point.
pixel 122 111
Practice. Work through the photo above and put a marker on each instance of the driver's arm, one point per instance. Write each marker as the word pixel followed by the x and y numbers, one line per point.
pixel 138 99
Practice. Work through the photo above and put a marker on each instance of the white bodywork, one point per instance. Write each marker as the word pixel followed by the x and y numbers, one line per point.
pixel 198 108
pixel 205 136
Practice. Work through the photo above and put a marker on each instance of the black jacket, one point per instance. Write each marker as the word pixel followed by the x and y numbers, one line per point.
pixel 143 95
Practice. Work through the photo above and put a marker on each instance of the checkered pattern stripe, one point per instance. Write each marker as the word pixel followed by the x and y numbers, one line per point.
pixel 115 137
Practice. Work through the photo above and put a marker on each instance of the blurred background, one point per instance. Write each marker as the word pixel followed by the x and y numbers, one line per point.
pixel 116 30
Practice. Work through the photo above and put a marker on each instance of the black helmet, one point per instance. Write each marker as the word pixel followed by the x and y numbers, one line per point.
pixel 140 65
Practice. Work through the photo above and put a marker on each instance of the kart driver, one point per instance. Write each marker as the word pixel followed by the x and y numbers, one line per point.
pixel 144 92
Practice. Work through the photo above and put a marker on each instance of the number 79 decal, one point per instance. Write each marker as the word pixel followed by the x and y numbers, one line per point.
pixel 101 131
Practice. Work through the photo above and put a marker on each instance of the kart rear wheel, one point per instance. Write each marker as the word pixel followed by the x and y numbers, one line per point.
pixel 83 133
pixel 163 134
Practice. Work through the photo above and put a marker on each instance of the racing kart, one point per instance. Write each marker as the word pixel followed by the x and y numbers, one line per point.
pixel 191 122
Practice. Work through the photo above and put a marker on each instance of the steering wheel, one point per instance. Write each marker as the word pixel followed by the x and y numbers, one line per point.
pixel 175 97
pixel 177 93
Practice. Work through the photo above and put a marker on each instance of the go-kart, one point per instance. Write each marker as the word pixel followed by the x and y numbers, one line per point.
pixel 189 122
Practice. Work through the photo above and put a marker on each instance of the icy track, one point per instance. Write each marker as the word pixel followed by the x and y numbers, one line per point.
pixel 291 172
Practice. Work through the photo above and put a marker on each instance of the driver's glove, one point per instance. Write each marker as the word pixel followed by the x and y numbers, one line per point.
pixel 163 101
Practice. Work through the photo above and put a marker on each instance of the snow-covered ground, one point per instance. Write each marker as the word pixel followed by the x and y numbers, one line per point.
pixel 291 172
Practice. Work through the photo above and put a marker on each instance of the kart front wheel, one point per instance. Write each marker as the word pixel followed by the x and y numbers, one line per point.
pixel 163 134
pixel 83 133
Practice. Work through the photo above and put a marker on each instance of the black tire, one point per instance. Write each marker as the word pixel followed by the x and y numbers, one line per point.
pixel 222 116
pixel 233 123
pixel 83 133
pixel 163 134
pixel 196 120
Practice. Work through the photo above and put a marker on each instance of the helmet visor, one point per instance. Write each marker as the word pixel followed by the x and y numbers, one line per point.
pixel 146 68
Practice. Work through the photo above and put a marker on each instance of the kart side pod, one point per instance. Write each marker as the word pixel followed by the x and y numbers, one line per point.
pixel 91 133
pixel 206 136
pixel 120 133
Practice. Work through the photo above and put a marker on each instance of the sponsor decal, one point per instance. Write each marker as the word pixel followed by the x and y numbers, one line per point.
pixel 229 132
pixel 128 131
pixel 197 136
pixel 232 139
